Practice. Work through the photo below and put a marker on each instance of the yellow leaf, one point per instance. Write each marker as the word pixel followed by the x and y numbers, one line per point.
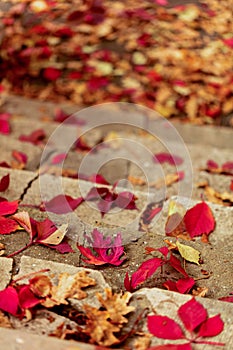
pixel 188 253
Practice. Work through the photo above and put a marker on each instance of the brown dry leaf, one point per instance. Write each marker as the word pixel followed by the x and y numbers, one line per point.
pixel 99 328
pixel 200 292
pixel 136 180
pixel 41 285
pixel 222 198
pixel 69 286
pixel 143 342
pixel 2 249
pixel 116 305
pixel 4 321
pixel 169 180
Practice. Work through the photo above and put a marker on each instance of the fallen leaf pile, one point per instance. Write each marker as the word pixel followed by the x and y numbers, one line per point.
pixel 178 63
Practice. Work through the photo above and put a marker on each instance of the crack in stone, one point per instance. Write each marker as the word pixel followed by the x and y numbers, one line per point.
pixel 28 187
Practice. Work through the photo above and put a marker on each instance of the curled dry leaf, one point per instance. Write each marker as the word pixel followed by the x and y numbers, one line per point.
pixel 4 321
pixel 222 198
pixel 69 286
pixel 116 305
pixel 99 327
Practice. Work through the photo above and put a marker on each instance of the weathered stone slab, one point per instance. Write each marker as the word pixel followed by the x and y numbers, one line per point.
pixel 9 144
pixel 28 265
pixel 167 303
pixel 19 340
pixel 6 265
pixel 19 181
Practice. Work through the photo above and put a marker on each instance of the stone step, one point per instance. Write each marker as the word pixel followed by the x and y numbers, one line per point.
pixel 217 255
pixel 154 300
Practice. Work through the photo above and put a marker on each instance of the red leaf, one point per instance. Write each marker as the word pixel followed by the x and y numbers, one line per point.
pixel 164 327
pixel 186 346
pixel 80 145
pixel 27 299
pixel 97 193
pixel 24 221
pixel 20 157
pixel 228 42
pixel 126 200
pixel 231 185
pixel 185 284
pixel 104 251
pixel 176 264
pixel 62 204
pixel 9 301
pixel 64 32
pixel 127 283
pixel 4 123
pixel 7 208
pixel 44 229
pixel 62 248
pixel 164 157
pixel 59 158
pixel 4 183
pixel 211 327
pixel 51 73
pixel 228 167
pixel 98 179
pixel 228 299
pixel 199 220
pixel 36 137
pixel 8 226
pixel 192 314
pixel 145 270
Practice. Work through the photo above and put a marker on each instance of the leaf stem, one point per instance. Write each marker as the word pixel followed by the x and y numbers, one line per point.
pixel 20 250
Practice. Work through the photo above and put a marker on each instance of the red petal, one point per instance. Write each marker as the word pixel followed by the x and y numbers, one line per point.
pixel 81 145
pixel 192 314
pixel 167 158
pixel 9 300
pixel 8 226
pixel 62 204
pixel 4 183
pixel 211 327
pixel 228 42
pixel 164 327
pixel 199 220
pixel 7 208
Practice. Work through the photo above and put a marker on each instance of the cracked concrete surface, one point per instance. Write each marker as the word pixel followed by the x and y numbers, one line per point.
pixel 203 143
